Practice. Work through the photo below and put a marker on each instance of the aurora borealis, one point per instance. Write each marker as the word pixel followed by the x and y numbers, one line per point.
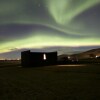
pixel 46 23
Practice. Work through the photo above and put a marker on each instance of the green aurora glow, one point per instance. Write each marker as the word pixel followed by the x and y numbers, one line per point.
pixel 56 22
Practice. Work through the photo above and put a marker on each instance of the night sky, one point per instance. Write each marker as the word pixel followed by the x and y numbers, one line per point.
pixel 36 24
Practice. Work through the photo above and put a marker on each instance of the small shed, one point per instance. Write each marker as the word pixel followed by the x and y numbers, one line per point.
pixel 33 59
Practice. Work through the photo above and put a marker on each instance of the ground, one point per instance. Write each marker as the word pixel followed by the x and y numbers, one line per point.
pixel 71 82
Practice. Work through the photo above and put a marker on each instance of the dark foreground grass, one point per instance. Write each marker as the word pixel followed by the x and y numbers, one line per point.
pixel 50 83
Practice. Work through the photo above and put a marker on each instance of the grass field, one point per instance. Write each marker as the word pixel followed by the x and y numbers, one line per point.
pixel 50 83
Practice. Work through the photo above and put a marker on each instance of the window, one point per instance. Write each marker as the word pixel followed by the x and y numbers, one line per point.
pixel 44 56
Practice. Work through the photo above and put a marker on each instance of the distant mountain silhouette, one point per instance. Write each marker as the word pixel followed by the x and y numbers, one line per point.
pixel 88 54
pixel 93 53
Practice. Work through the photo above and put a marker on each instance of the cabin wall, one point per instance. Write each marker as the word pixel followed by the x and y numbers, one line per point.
pixel 34 59
pixel 25 58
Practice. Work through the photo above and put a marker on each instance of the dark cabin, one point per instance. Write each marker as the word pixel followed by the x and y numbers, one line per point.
pixel 34 59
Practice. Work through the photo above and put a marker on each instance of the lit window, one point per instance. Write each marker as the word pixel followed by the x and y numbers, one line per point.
pixel 44 56
pixel 97 56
